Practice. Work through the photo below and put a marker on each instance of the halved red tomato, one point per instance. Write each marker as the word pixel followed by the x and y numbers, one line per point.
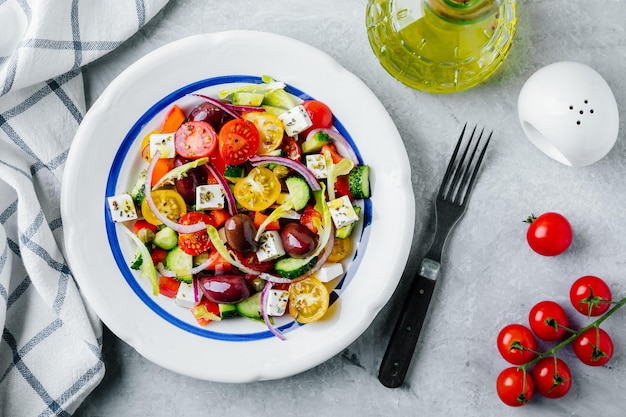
pixel 198 242
pixel 195 140
pixel 291 148
pixel 238 141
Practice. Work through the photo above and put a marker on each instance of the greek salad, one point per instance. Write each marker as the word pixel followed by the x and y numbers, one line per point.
pixel 245 206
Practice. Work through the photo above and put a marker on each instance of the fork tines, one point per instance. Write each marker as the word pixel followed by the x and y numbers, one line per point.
pixel 461 173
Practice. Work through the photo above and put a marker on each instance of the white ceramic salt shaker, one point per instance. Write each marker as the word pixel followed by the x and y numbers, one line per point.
pixel 569 112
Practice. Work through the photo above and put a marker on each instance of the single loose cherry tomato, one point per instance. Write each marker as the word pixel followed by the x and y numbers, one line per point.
pixel 590 295
pixel 320 114
pixel 238 141
pixel 308 300
pixel 270 129
pixel 516 344
pixel 548 320
pixel 549 234
pixel 198 242
pixel 195 140
pixel 515 387
pixel 258 190
pixel 594 347
pixel 169 202
pixel 552 377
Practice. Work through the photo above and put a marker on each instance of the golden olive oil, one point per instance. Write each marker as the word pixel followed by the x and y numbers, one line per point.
pixel 441 46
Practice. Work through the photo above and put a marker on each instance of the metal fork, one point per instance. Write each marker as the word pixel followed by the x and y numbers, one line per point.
pixel 449 207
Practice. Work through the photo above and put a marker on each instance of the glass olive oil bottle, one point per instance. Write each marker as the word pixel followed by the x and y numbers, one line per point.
pixel 441 46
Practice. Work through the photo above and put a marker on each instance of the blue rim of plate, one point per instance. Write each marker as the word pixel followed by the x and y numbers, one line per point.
pixel 113 238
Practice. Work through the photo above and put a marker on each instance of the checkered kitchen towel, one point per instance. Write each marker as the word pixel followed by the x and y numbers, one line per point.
pixel 50 350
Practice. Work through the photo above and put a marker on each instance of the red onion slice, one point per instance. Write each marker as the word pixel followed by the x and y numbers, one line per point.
pixel 289 163
pixel 219 105
pixel 180 228
pixel 266 319
pixel 339 140
pixel 232 205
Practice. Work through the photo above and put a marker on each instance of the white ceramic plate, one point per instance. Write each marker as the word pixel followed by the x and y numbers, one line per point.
pixel 103 161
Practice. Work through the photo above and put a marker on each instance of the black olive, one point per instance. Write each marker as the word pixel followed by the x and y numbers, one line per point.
pixel 240 232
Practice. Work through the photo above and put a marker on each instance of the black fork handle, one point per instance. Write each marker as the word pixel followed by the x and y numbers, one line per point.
pixel 401 347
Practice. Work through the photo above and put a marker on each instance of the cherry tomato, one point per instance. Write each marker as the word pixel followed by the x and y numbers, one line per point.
pixel 515 387
pixel 548 320
pixel 594 347
pixel 320 114
pixel 198 242
pixel 258 190
pixel 168 202
pixel 552 377
pixel 291 148
pixel 340 250
pixel 516 344
pixel 590 295
pixel 238 141
pixel 308 300
pixel 270 129
pixel 549 234
pixel 195 140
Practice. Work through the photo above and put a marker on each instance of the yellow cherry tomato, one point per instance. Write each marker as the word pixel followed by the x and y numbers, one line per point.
pixel 169 202
pixel 258 190
pixel 270 129
pixel 341 248
pixel 308 300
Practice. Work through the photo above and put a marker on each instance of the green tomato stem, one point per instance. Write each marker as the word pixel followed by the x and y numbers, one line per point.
pixel 574 335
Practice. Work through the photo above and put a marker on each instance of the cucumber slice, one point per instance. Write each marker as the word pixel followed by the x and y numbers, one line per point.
pixel 166 238
pixel 233 172
pixel 299 191
pixel 359 181
pixel 293 267
pixel 315 143
pixel 180 262
pixel 227 310
pixel 250 307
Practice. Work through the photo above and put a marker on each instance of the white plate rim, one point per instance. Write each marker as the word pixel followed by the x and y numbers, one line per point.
pixel 92 150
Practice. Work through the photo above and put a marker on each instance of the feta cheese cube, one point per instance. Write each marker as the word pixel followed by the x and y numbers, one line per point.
pixel 186 296
pixel 270 246
pixel 122 207
pixel 209 196
pixel 342 212
pixel 276 302
pixel 295 120
pixel 329 271
pixel 316 163
pixel 164 143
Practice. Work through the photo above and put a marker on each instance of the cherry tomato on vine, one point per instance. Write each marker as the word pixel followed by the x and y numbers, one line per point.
pixel 594 347
pixel 515 387
pixel 549 234
pixel 590 295
pixel 552 377
pixel 548 320
pixel 516 344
